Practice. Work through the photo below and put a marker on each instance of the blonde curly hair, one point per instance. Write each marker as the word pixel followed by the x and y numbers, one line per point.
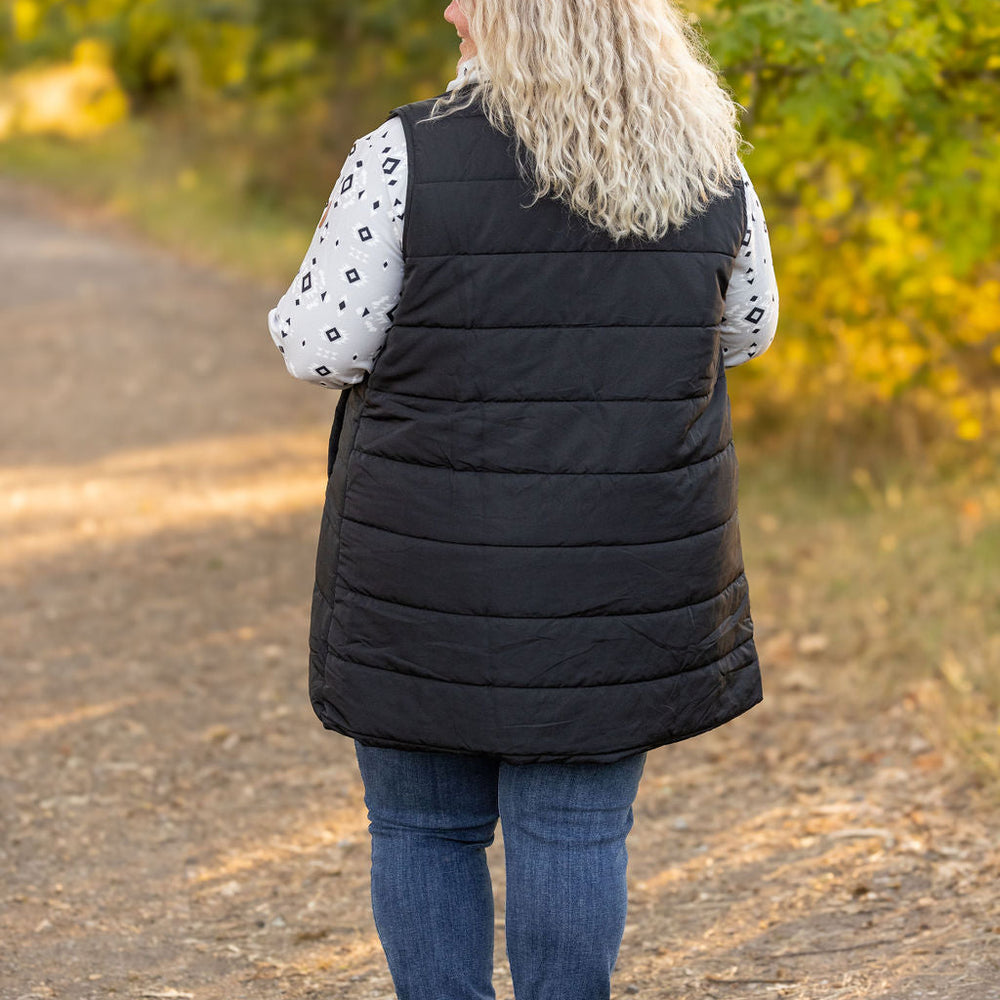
pixel 616 103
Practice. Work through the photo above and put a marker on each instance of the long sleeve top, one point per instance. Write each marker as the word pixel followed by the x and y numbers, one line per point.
pixel 331 323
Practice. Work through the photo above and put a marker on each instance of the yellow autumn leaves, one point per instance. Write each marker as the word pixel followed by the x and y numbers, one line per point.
pixel 876 156
pixel 77 98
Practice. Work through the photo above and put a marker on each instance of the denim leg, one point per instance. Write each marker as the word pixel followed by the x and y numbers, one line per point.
pixel 564 830
pixel 432 816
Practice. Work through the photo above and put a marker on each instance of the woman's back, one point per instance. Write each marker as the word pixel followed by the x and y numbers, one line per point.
pixel 529 567
pixel 541 533
pixel 616 109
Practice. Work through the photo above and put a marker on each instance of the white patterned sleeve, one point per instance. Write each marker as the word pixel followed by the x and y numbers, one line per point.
pixel 331 324
pixel 751 317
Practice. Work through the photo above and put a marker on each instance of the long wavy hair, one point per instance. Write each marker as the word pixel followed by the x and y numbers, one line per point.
pixel 616 105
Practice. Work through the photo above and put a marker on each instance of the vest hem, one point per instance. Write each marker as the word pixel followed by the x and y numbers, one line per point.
pixel 540 757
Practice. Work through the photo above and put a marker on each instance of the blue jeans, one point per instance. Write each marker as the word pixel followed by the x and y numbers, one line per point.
pixel 432 816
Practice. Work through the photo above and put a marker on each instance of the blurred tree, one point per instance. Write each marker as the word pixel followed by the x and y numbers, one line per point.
pixel 877 158
pixel 160 48
pixel 361 58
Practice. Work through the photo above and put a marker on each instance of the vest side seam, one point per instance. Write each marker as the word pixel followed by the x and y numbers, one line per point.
pixel 358 392
pixel 348 396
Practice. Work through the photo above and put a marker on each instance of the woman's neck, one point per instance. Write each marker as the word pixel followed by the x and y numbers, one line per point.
pixel 466 71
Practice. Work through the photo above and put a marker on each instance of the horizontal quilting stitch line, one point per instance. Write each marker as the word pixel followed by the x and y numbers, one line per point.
pixel 549 618
pixel 511 545
pixel 512 253
pixel 557 326
pixel 515 472
pixel 695 327
pixel 542 399
pixel 467 180
pixel 536 687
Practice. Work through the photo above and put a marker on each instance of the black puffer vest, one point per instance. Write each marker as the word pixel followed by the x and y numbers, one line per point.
pixel 530 546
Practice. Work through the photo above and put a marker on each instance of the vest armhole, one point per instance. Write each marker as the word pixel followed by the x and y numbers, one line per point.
pixel 746 213
pixel 410 172
pixel 404 113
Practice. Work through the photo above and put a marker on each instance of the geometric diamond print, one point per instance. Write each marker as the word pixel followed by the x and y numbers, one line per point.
pixel 332 334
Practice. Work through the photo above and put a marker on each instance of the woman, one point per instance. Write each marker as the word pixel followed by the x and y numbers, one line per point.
pixel 529 569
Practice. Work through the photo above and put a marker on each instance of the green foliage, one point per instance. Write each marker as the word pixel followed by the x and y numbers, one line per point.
pixel 239 48
pixel 914 82
pixel 876 156
pixel 877 159
pixel 158 47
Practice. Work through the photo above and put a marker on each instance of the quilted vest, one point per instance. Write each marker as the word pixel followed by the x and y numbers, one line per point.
pixel 530 546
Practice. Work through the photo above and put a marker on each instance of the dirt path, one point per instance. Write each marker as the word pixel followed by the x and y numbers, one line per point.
pixel 174 822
